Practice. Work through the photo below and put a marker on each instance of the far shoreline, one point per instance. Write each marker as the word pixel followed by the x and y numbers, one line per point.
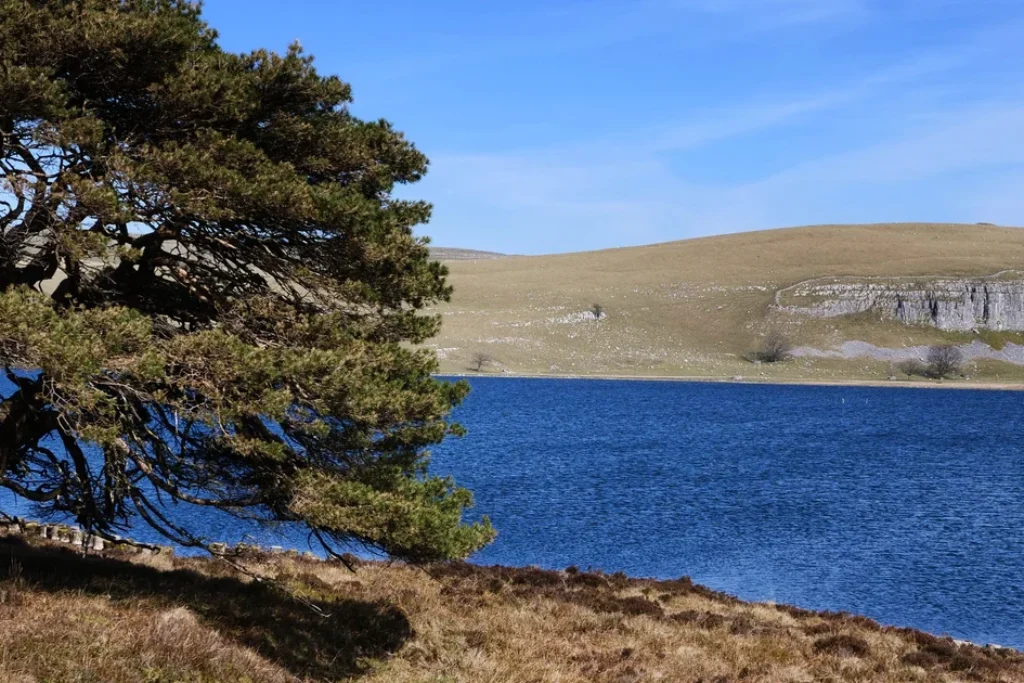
pixel 704 379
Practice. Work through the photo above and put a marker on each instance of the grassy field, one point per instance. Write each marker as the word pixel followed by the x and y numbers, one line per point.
pixel 693 308
pixel 455 254
pixel 124 618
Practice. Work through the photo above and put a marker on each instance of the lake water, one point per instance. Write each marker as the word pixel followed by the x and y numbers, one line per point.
pixel 904 505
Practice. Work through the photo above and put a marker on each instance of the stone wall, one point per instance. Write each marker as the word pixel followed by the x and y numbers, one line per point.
pixel 75 537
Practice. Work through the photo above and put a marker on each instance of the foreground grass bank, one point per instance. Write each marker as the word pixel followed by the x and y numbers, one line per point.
pixel 125 617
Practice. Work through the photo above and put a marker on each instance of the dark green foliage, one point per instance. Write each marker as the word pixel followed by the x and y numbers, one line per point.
pixel 203 259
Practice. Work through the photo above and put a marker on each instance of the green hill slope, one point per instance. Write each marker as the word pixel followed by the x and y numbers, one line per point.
pixel 695 307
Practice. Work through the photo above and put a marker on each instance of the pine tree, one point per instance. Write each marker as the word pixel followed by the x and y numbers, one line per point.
pixel 208 292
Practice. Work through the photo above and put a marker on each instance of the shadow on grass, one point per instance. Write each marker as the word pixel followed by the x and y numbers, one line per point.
pixel 273 624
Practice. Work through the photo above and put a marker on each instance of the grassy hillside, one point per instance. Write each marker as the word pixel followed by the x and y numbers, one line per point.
pixel 126 618
pixel 692 308
pixel 454 254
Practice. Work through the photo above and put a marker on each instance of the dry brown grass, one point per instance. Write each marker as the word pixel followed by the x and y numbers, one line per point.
pixel 68 618
pixel 693 308
pixel 64 617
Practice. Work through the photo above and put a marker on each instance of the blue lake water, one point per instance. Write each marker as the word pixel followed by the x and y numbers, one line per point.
pixel 904 505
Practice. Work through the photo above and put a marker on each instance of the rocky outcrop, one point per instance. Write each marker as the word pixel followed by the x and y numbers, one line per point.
pixel 850 350
pixel 954 304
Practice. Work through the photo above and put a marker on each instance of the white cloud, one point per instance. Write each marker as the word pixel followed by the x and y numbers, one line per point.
pixel 1001 200
pixel 622 189
pixel 539 199
pixel 969 138
pixel 592 25
pixel 769 14
pixel 860 184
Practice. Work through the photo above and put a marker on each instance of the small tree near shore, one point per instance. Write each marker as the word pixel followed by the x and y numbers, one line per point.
pixel 480 360
pixel 775 348
pixel 912 367
pixel 944 361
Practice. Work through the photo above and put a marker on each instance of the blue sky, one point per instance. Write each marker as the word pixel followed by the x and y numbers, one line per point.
pixel 569 125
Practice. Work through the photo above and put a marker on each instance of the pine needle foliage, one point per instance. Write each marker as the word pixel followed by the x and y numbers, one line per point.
pixel 209 293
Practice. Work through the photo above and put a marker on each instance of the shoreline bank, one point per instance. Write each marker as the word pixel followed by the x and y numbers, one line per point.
pixel 705 379
pixel 189 618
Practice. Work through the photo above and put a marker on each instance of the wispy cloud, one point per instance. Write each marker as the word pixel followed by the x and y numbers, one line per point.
pixel 521 200
pixel 716 125
pixel 1001 200
pixel 623 190
pixel 862 182
pixel 722 125
pixel 772 14
pixel 596 24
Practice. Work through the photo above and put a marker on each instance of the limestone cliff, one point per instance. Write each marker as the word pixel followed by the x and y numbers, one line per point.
pixel 961 304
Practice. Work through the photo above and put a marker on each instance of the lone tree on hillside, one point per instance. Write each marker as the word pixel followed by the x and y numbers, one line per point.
pixel 208 291
pixel 944 361
pixel 480 360
pixel 775 348
pixel 598 311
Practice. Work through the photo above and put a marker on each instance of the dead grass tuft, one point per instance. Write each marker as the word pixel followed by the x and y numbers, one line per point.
pixel 709 621
pixel 179 616
pixel 843 645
